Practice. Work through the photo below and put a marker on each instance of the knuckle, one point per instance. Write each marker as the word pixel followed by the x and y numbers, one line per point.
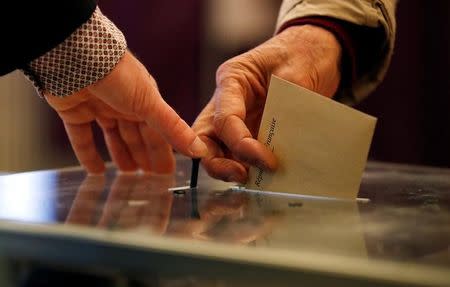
pixel 176 125
pixel 106 124
pixel 224 69
pixel 143 101
pixel 230 72
pixel 177 129
pixel 220 121
pixel 139 105
pixel 252 64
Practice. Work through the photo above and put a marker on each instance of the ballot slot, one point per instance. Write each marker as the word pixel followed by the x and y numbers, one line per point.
pixel 243 188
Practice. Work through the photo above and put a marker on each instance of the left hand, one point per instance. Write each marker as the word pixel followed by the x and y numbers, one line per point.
pixel 138 125
pixel 132 143
pixel 134 202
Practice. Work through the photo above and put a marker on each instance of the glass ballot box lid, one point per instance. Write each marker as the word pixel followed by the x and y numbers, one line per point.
pixel 397 233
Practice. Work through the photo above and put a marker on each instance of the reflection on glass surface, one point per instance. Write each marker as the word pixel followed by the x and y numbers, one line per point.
pixel 145 203
pixel 28 197
pixel 407 218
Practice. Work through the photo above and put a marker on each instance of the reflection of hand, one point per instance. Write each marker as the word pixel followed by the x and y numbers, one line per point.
pixel 306 55
pixel 137 123
pixel 86 201
pixel 212 209
pixel 138 201
pixel 134 201
pixel 224 218
pixel 143 202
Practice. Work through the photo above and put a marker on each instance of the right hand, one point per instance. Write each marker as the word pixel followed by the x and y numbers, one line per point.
pixel 306 55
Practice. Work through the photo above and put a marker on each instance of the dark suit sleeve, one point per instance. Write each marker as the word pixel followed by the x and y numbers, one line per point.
pixel 29 29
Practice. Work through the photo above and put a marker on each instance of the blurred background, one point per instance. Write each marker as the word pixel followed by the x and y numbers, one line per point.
pixel 183 42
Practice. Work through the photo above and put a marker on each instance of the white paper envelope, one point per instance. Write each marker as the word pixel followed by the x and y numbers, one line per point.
pixel 321 145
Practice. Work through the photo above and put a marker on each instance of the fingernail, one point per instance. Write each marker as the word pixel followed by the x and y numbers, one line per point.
pixel 198 148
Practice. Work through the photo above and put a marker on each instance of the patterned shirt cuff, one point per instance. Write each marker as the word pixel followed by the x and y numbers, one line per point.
pixel 86 56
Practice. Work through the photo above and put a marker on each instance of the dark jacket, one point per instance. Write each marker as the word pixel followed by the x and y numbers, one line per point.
pixel 28 29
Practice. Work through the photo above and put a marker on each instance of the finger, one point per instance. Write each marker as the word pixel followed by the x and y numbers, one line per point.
pixel 79 115
pixel 229 123
pixel 158 209
pixel 175 130
pixel 130 215
pixel 129 131
pixel 86 201
pixel 217 163
pixel 82 141
pixel 217 166
pixel 162 160
pixel 131 90
pixel 117 147
pixel 118 197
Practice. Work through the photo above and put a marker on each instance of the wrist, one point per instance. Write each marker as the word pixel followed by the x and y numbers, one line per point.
pixel 341 31
pixel 87 55
pixel 317 42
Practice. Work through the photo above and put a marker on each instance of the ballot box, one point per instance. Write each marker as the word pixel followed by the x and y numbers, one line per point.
pixel 153 230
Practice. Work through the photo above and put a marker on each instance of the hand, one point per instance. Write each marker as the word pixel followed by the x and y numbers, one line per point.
pixel 137 123
pixel 137 201
pixel 86 202
pixel 306 55
pixel 225 217
pixel 213 209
